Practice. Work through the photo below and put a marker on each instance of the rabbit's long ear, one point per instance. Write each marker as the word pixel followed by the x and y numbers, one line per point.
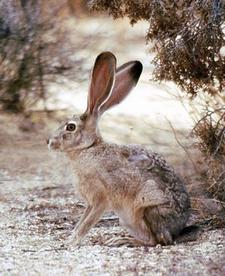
pixel 102 80
pixel 127 77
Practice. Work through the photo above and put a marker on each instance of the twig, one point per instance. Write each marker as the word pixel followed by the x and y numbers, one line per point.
pixel 221 137
pixel 46 250
pixel 208 114
pixel 183 147
pixel 109 218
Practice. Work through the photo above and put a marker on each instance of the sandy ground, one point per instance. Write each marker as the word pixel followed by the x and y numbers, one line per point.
pixel 38 203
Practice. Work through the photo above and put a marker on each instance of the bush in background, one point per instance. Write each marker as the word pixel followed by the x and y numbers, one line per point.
pixel 31 43
pixel 188 39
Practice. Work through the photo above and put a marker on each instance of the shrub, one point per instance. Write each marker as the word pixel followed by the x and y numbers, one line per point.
pixel 188 39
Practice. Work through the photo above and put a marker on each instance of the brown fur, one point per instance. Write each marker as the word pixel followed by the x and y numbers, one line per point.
pixel 137 184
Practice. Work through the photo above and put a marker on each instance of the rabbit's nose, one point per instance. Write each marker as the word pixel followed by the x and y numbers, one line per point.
pixel 53 143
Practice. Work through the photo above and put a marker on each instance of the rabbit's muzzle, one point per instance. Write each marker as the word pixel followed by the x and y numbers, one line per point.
pixel 53 143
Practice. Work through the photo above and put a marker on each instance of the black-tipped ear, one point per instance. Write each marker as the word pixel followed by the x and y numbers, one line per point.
pixel 102 80
pixel 127 77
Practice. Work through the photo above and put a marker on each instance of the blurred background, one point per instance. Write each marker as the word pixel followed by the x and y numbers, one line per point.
pixel 47 50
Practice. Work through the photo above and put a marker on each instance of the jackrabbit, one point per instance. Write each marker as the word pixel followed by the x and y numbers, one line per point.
pixel 137 184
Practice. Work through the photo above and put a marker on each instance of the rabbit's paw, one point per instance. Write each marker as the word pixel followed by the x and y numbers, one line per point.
pixel 123 241
pixel 73 242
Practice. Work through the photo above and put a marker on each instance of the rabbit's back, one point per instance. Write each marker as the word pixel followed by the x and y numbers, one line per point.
pixel 124 171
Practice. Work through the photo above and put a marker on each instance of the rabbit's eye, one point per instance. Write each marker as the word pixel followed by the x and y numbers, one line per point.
pixel 71 127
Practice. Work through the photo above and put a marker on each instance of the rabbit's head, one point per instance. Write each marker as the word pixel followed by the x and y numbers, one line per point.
pixel 108 87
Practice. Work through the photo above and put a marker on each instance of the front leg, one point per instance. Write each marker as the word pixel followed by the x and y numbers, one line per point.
pixel 89 219
pixel 83 217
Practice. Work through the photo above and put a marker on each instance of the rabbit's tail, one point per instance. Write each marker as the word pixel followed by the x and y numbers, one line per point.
pixel 189 233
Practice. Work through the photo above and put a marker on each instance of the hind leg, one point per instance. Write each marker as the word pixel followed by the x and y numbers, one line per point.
pixel 162 223
pixel 140 233
pixel 128 241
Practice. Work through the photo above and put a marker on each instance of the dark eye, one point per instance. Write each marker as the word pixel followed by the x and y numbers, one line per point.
pixel 71 127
